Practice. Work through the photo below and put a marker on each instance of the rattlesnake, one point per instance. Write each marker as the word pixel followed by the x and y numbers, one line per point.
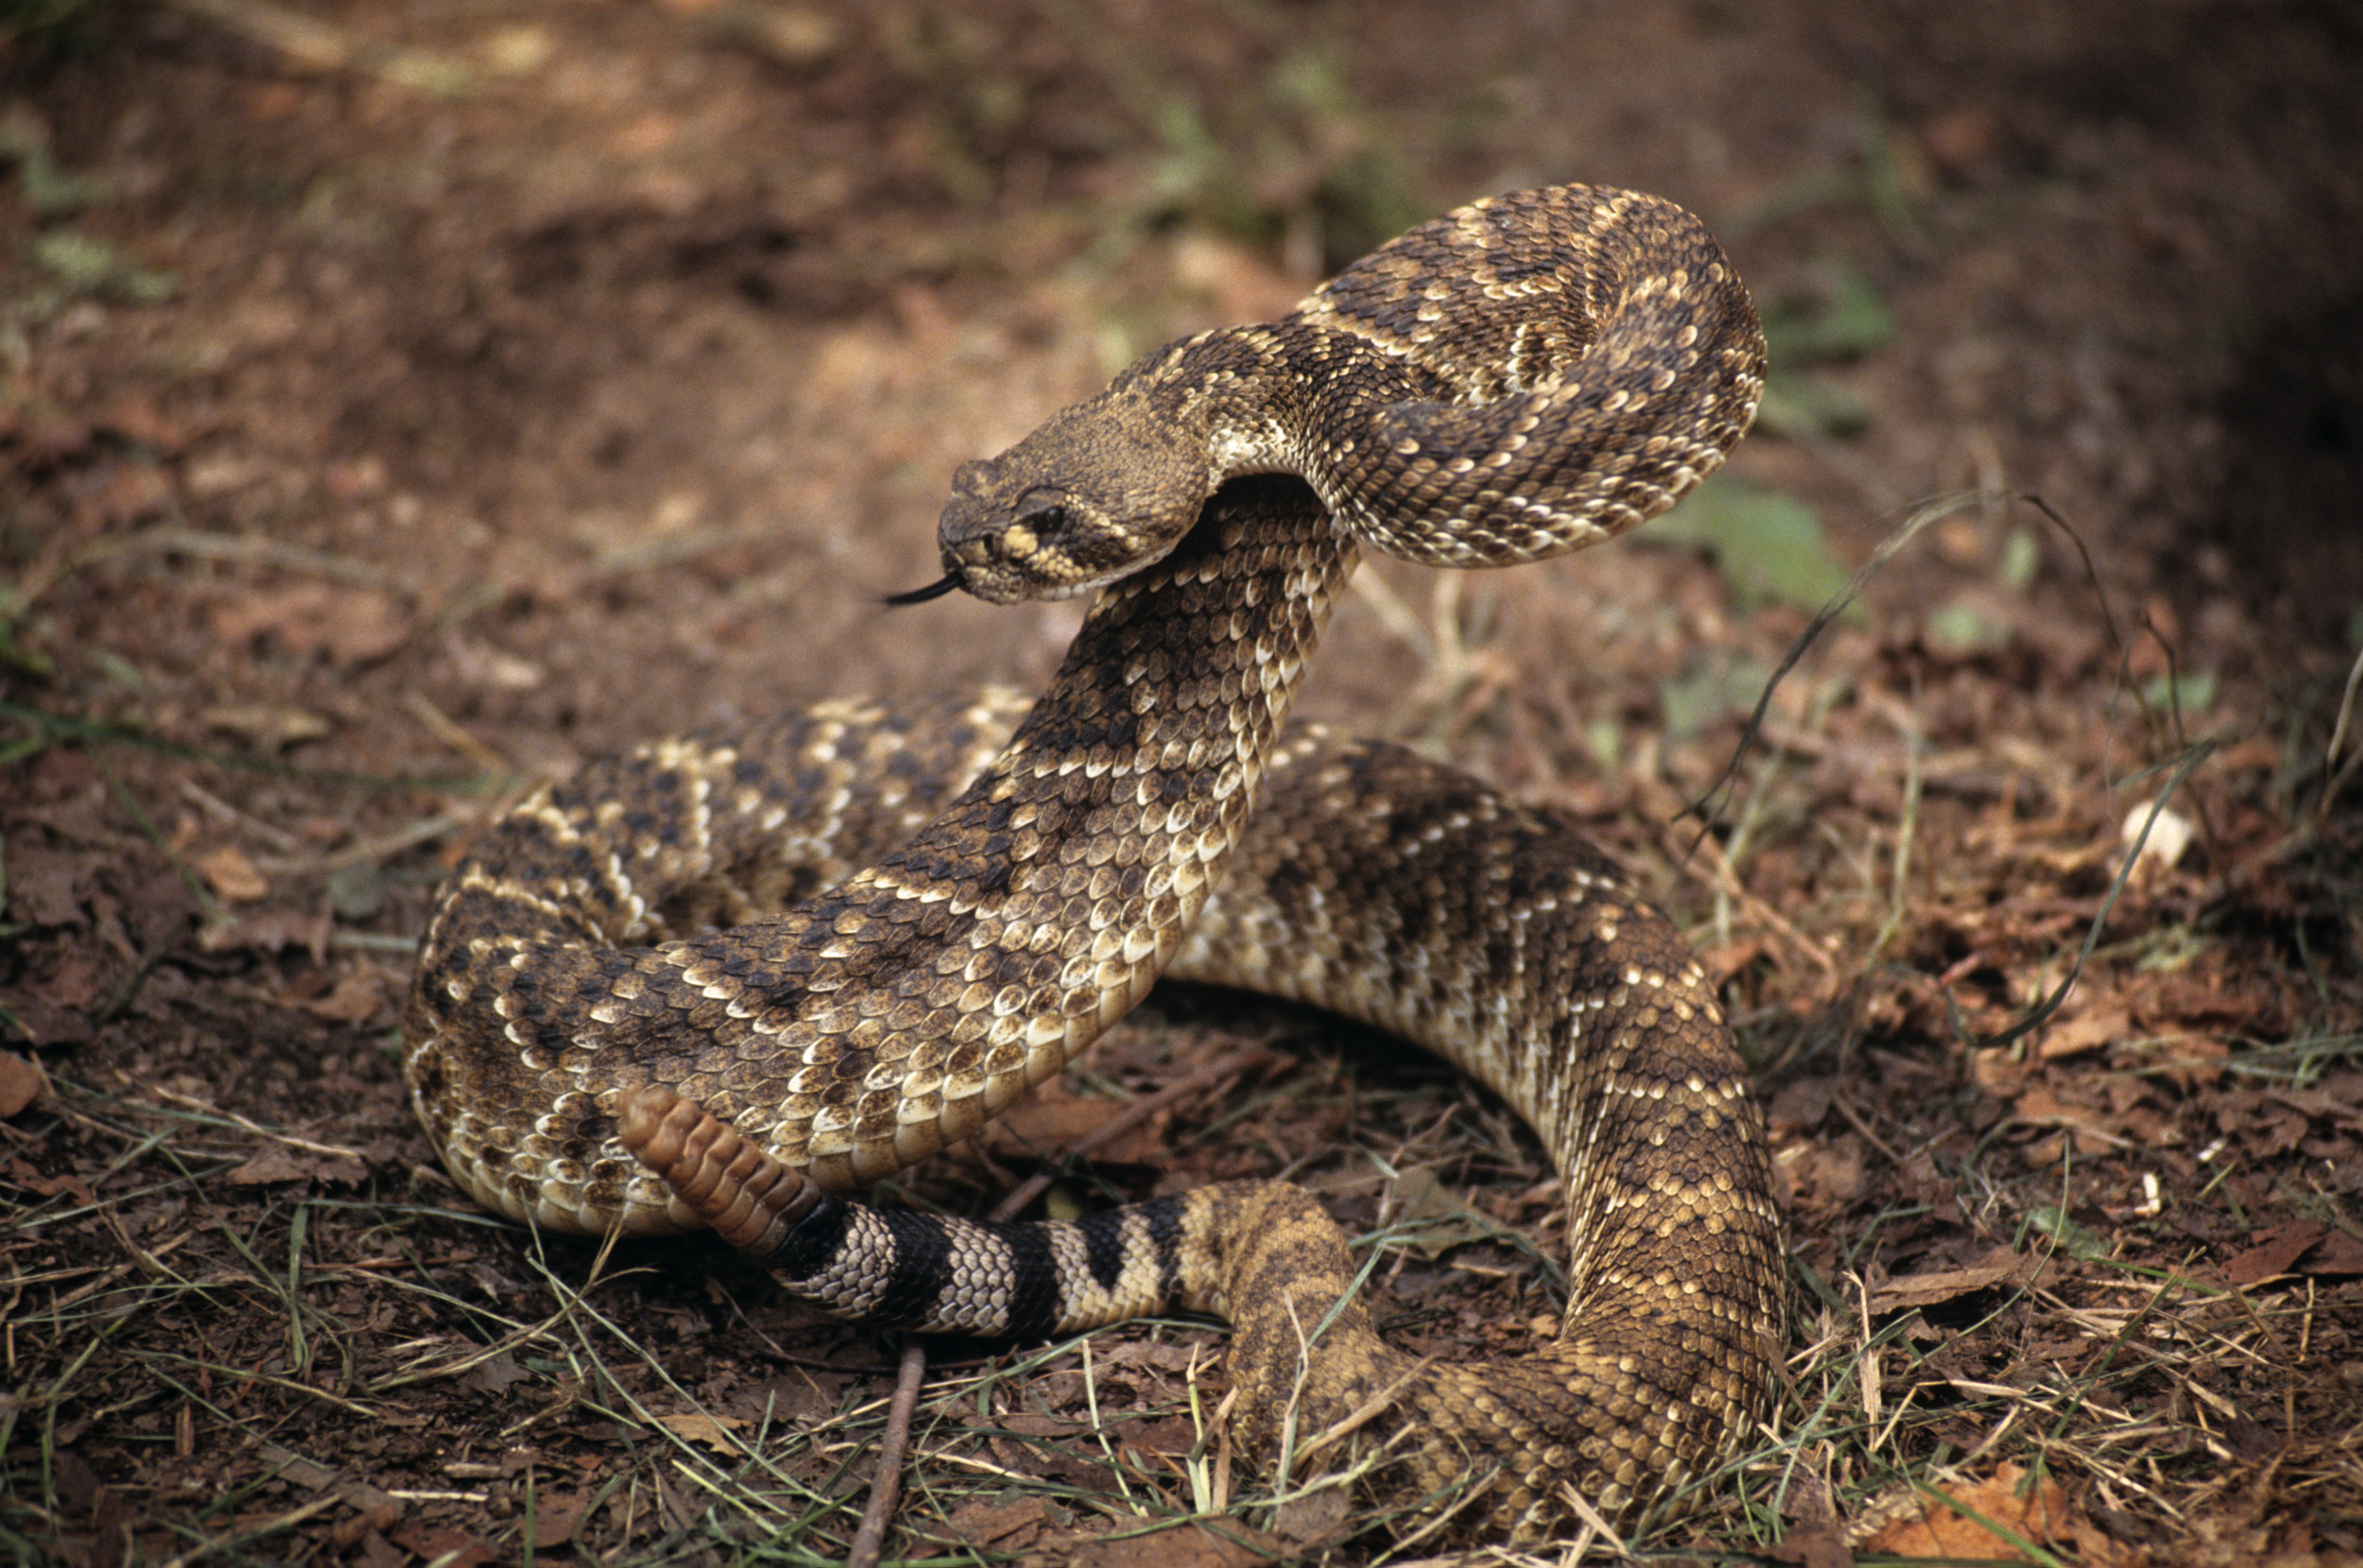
pixel 725 926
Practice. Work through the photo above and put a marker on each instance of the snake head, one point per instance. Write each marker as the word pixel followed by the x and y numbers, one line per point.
pixel 1100 492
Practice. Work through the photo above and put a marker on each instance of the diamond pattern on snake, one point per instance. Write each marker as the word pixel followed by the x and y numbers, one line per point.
pixel 725 980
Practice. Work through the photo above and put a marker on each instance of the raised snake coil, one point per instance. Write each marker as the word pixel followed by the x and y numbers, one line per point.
pixel 723 978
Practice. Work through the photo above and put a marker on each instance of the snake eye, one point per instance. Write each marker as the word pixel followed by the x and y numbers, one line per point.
pixel 1048 520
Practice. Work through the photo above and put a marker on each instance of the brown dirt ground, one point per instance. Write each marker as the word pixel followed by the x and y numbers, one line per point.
pixel 426 397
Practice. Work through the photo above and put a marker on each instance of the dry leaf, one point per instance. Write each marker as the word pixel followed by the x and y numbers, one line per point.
pixel 2088 1032
pixel 1311 1516
pixel 231 874
pixel 1443 1217
pixel 1191 1544
pixel 360 991
pixel 44 886
pixel 494 1376
pixel 1799 1106
pixel 2340 1253
pixel 555 1516
pixel 1814 1537
pixel 32 1181
pixel 1921 1290
pixel 699 1427
pixel 350 625
pixel 1997 1071
pixel 1006 1527
pixel 21 1083
pixel 45 1023
pixel 281 1162
pixel 264 726
pixel 1944 1531
pixel 1823 1174
pixel 446 1548
pixel 2273 1255
pixel 2039 1105
pixel 1051 1120
pixel 270 931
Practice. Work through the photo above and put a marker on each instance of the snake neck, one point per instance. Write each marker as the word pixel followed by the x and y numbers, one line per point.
pixel 871 1024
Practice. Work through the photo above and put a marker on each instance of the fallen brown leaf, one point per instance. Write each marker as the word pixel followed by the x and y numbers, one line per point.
pixel 1006 1527
pixel 266 727
pixel 1943 1527
pixel 2273 1254
pixel 1822 1174
pixel 1921 1290
pixel 45 1023
pixel 494 1376
pixel 350 625
pixel 1050 1120
pixel 281 1163
pixel 44 886
pixel 697 1427
pixel 1814 1537
pixel 555 1516
pixel 2340 1253
pixel 21 1083
pixel 231 874
pixel 269 931
pixel 2087 1032
pixel 359 993
pixel 1814 1543
pixel 1312 1516
pixel 1194 1544
pixel 447 1548
pixel 31 1180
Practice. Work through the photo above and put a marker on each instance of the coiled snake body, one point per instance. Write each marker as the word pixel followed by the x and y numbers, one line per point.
pixel 723 979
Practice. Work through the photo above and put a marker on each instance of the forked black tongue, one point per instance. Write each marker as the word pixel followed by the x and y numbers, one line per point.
pixel 935 590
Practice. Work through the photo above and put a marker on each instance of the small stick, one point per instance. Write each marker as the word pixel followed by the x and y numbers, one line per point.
pixel 885 1483
pixel 886 1486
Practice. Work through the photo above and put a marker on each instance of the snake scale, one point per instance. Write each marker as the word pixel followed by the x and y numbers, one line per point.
pixel 721 980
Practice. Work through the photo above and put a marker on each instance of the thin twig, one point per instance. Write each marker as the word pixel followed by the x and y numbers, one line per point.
pixel 445 729
pixel 369 852
pixel 1706 807
pixel 1720 877
pixel 213 805
pixel 251 548
pixel 2336 775
pixel 886 1486
pixel 190 1102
